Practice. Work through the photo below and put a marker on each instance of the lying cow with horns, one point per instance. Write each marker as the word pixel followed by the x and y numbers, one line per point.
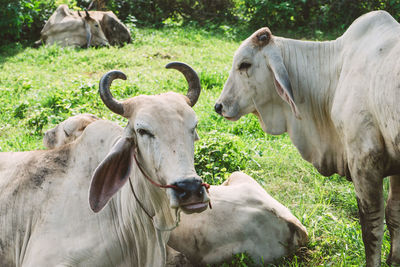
pixel 45 219
pixel 339 103
pixel 69 28
pixel 258 224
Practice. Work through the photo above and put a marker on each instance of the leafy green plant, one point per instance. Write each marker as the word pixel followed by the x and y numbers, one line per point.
pixel 23 19
pixel 218 155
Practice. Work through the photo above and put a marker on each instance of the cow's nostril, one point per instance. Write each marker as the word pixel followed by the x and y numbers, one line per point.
pixel 218 108
pixel 200 192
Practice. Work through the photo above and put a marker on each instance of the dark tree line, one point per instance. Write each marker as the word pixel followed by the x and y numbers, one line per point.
pixel 23 19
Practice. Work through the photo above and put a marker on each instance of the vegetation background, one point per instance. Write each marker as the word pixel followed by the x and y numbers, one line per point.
pixel 41 87
pixel 22 20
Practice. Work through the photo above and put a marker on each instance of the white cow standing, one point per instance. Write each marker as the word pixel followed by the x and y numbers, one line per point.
pixel 343 114
pixel 243 218
pixel 45 218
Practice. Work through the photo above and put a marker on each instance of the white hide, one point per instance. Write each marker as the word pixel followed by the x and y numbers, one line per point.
pixel 65 28
pixel 68 130
pixel 339 102
pixel 45 219
pixel 243 218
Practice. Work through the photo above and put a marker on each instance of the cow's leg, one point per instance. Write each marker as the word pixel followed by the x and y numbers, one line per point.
pixel 393 220
pixel 369 191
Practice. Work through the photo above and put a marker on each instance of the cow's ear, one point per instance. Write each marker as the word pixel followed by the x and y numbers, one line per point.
pixel 281 78
pixel 111 174
pixel 261 38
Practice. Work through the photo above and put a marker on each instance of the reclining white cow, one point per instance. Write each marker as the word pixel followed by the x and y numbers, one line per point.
pixel 244 217
pixel 339 103
pixel 67 28
pixel 45 219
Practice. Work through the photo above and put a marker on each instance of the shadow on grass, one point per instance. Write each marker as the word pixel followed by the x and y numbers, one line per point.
pixel 10 50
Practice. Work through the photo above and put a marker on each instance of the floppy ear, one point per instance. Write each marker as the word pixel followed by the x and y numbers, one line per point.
pixel 281 79
pixel 111 174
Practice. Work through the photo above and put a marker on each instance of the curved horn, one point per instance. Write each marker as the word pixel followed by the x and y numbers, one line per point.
pixel 105 94
pixel 191 77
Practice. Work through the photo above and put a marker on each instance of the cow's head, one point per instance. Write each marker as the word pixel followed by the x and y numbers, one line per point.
pixel 160 133
pixel 68 130
pixel 94 33
pixel 115 31
pixel 257 83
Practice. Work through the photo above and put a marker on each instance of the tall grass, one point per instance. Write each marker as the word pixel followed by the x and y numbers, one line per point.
pixel 41 87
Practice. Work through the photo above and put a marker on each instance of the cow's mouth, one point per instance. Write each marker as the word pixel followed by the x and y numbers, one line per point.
pixel 194 207
pixel 235 118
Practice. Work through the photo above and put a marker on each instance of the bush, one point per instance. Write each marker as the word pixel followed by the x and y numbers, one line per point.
pixel 218 155
pixel 22 20
pixel 154 13
pixel 308 16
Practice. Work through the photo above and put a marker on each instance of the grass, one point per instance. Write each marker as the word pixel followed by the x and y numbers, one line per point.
pixel 41 87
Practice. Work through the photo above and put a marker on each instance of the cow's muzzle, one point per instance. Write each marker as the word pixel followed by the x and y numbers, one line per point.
pixel 191 195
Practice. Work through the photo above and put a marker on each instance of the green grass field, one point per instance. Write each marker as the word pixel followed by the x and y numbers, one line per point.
pixel 41 87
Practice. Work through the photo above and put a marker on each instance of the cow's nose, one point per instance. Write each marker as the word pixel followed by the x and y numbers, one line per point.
pixel 189 188
pixel 218 108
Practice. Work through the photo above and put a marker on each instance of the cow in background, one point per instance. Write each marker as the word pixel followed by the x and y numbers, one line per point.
pixel 84 29
pixel 67 29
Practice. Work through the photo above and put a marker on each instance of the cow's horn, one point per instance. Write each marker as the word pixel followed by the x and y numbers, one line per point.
pixel 105 94
pixel 191 77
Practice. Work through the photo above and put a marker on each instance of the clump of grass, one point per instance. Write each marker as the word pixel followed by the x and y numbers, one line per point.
pixel 218 155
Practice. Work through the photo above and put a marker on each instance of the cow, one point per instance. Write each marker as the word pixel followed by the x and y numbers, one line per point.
pixel 339 102
pixel 139 179
pixel 244 217
pixel 68 130
pixel 68 29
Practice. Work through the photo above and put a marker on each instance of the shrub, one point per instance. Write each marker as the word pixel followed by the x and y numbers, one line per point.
pixel 218 155
pixel 22 20
pixel 153 13
pixel 308 16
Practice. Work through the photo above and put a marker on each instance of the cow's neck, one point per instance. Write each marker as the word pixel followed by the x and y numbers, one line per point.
pixel 314 69
pixel 145 242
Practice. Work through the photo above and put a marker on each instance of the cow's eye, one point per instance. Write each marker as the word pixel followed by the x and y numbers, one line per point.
pixel 96 25
pixel 244 66
pixel 144 132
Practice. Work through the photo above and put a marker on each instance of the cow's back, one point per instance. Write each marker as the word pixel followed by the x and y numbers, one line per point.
pixel 26 180
pixel 365 106
pixel 45 217
pixel 244 218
